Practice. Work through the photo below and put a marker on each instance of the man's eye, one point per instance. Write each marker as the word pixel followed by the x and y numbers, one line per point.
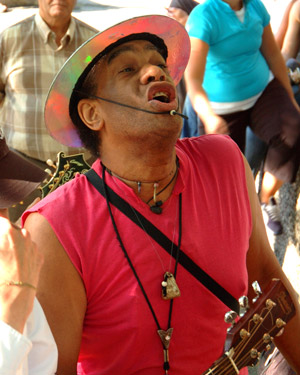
pixel 126 70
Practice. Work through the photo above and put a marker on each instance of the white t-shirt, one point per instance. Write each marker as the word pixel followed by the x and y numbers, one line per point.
pixel 32 353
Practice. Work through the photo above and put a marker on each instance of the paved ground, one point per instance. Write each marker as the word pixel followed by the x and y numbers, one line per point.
pixel 287 245
pixel 103 13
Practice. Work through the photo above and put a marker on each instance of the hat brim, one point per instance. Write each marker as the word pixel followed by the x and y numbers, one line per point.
pixel 57 119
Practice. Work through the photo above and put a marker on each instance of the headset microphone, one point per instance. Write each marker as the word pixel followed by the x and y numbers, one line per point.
pixel 172 112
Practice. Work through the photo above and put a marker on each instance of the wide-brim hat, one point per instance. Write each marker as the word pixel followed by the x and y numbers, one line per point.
pixel 18 177
pixel 174 35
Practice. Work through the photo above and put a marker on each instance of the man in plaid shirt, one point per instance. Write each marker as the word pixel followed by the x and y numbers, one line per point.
pixel 31 52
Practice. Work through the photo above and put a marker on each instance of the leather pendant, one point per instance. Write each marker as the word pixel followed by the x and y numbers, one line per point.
pixel 170 289
pixel 165 337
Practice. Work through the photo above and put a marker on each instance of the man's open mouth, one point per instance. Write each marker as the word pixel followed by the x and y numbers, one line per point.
pixel 161 97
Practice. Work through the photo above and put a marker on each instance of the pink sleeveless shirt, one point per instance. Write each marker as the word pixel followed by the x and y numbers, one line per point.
pixel 119 333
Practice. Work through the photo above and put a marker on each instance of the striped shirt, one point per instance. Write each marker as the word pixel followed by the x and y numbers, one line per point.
pixel 29 60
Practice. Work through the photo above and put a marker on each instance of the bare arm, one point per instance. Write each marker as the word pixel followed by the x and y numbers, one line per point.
pixel 262 266
pixel 194 78
pixel 274 58
pixel 61 293
pixel 291 42
pixel 20 261
pixel 281 32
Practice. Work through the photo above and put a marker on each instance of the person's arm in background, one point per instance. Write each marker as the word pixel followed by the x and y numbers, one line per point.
pixel 291 42
pixel 275 60
pixel 194 74
pixel 262 266
pixel 20 261
pixel 282 29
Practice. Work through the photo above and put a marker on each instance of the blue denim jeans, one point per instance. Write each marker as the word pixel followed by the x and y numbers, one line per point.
pixel 193 126
pixel 255 151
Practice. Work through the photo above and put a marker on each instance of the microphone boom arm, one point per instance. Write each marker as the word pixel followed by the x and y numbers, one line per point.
pixel 172 112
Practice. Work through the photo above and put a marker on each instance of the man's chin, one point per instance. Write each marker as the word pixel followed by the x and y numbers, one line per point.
pixel 60 11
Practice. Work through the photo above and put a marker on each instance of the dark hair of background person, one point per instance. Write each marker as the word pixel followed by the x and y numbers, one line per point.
pixel 186 5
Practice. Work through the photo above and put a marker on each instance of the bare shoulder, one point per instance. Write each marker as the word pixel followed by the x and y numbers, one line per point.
pixel 43 235
pixel 38 226
pixel 60 291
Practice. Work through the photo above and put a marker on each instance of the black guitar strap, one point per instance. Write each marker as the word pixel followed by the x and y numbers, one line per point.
pixel 164 242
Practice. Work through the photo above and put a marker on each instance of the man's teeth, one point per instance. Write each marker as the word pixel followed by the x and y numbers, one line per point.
pixel 161 96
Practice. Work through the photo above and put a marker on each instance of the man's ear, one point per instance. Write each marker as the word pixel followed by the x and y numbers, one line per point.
pixel 89 113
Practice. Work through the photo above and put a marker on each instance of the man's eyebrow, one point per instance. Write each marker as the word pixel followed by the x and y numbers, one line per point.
pixel 127 48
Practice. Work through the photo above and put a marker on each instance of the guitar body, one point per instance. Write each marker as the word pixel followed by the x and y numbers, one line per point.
pixel 67 166
pixel 254 332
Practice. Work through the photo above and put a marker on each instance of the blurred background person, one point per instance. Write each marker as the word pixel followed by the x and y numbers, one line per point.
pixel 180 9
pixel 238 81
pixel 31 53
pixel 291 47
pixel 26 342
pixel 256 148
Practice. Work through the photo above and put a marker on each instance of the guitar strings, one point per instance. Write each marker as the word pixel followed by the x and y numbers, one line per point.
pixel 256 327
pixel 224 365
pixel 242 362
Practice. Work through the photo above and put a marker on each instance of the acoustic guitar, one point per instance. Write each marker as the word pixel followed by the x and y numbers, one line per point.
pixel 253 334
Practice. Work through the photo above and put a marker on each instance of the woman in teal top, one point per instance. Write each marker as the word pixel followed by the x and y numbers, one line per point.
pixel 236 77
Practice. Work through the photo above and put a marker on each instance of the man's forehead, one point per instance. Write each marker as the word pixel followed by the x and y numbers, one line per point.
pixel 135 46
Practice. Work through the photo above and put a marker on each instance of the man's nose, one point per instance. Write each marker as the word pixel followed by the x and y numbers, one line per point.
pixel 152 73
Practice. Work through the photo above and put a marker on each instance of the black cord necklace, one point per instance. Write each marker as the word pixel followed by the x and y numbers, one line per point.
pixel 165 336
pixel 156 208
